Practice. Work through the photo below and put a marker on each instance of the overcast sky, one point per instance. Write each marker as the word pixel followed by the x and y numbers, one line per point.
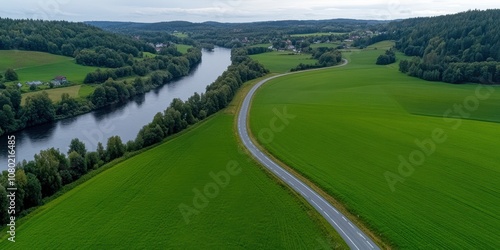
pixel 233 10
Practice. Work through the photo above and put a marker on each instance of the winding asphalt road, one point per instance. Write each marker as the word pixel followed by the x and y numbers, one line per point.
pixel 352 235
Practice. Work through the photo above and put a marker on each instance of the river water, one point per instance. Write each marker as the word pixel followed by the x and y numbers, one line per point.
pixel 125 120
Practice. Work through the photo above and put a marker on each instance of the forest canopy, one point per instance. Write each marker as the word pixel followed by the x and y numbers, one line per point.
pixel 70 39
pixel 458 48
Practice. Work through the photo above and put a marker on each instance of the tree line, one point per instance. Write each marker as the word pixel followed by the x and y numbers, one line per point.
pixel 51 169
pixel 479 72
pixel 39 108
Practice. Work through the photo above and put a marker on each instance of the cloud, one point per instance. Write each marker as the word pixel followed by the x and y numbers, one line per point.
pixel 233 10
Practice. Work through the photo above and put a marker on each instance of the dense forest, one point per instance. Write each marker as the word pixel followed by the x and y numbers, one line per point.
pixel 458 48
pixel 38 181
pixel 70 39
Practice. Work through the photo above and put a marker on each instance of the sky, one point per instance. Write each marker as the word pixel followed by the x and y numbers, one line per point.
pixel 233 10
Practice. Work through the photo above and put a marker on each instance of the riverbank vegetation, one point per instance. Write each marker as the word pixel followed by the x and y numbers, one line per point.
pixel 161 69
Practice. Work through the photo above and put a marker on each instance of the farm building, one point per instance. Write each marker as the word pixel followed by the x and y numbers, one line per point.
pixel 60 79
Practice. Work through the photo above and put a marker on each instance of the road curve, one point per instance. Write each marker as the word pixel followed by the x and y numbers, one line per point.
pixel 352 235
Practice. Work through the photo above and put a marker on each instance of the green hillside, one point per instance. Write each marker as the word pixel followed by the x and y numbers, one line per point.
pixel 40 66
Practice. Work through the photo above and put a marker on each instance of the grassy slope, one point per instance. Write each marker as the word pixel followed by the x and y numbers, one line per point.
pixel 279 62
pixel 183 48
pixel 135 204
pixel 31 66
pixel 86 90
pixel 351 125
pixel 180 34
pixel 265 45
pixel 328 45
pixel 55 94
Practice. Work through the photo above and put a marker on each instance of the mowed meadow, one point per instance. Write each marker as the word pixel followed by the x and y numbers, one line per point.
pixel 137 203
pixel 283 61
pixel 387 146
pixel 40 66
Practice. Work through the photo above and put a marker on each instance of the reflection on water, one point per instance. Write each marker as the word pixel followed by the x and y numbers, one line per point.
pixel 139 100
pixel 124 120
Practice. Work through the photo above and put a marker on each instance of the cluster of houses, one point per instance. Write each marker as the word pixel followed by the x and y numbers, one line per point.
pixel 364 33
pixel 57 81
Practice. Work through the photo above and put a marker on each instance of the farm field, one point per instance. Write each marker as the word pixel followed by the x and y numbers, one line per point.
pixel 356 127
pixel 183 48
pixel 265 45
pixel 328 45
pixel 136 203
pixel 282 61
pixel 86 90
pixel 39 66
pixel 55 94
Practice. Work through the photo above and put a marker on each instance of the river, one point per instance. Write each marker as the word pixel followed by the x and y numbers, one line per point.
pixel 125 120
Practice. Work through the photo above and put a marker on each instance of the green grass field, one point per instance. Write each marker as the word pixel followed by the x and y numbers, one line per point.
pixel 183 48
pixel 147 55
pixel 180 34
pixel 86 90
pixel 39 66
pixel 353 123
pixel 135 204
pixel 75 91
pixel 317 34
pixel 55 94
pixel 328 45
pixel 265 45
pixel 282 61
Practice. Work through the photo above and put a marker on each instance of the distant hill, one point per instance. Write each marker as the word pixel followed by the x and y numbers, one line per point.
pixel 300 26
pixel 231 34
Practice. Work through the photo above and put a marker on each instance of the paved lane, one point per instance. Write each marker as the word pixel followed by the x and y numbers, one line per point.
pixel 352 235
